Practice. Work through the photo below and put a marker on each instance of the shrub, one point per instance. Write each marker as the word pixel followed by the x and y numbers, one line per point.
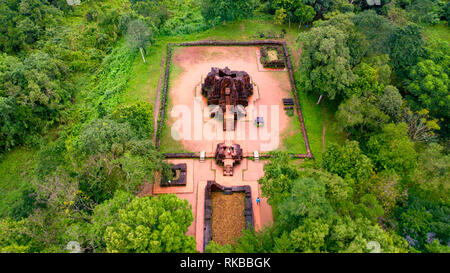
pixel 102 135
pixel 139 115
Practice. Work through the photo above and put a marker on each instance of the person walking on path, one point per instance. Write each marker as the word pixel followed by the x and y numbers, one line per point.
pixel 258 200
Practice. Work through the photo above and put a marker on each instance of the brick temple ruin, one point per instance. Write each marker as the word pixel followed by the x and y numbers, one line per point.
pixel 229 90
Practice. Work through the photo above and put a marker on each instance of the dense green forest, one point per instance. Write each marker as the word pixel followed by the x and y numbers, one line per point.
pixel 76 124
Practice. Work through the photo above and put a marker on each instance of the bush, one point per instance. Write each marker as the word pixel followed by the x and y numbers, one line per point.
pixel 102 135
pixel 50 157
pixel 139 115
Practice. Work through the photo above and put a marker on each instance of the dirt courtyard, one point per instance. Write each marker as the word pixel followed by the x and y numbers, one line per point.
pixel 195 130
pixel 228 219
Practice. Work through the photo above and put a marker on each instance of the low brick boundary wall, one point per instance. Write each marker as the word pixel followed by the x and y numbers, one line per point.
pixel 163 104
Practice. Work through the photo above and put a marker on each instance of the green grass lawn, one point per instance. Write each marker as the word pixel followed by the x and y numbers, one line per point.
pixel 16 168
pixel 315 117
pixel 439 31
pixel 145 76
pixel 292 139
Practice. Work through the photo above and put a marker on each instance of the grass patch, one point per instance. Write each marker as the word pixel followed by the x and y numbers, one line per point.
pixel 315 117
pixel 292 138
pixel 16 168
pixel 439 31
pixel 272 55
pixel 143 83
pixel 312 116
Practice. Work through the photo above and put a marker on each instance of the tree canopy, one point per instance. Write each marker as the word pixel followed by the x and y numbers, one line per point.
pixel 325 63
pixel 152 225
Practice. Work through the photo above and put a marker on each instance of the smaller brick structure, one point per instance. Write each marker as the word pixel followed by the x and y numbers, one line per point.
pixel 228 156
pixel 272 56
pixel 179 176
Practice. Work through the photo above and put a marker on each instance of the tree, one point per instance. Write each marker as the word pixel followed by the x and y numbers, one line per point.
pixel 349 162
pixel 15 121
pixel 249 242
pixel 420 126
pixel 429 85
pixel 391 102
pixel 405 49
pixel 381 65
pixel 255 242
pixel 425 11
pixel 391 149
pixel 24 22
pixel 422 221
pixel 360 116
pixel 104 136
pixel 294 10
pixel 307 199
pixel 223 10
pixel 152 225
pixel 436 247
pixel 141 163
pixel 138 35
pixel 280 16
pixel 139 115
pixel 60 216
pixel 353 236
pixel 355 41
pixel 395 13
pixel 33 95
pixel 365 82
pixel 214 247
pixel 320 6
pixel 368 208
pixel 310 236
pixel 13 238
pixel 446 12
pixel 105 215
pixel 432 176
pixel 100 176
pixel 376 28
pixel 325 63
pixel 304 14
pixel 338 191
pixel 278 176
pixel 185 17
pixel 386 187
pixel 51 157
